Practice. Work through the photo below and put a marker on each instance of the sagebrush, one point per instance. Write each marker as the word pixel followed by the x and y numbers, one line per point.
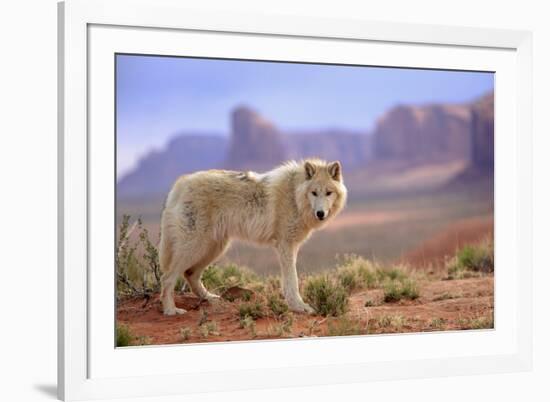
pixel 472 260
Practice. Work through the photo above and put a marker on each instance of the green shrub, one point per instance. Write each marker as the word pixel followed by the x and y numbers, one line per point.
pixel 137 263
pixel 276 330
pixel 203 317
pixel 437 323
pixel 396 290
pixel 446 296
pixel 348 278
pixel 478 258
pixel 253 310
pixel 326 296
pixel 369 278
pixel 152 274
pixel 370 303
pixel 288 320
pixel 208 328
pixel 483 322
pixel 343 326
pixel 357 273
pixel 124 336
pixel 126 261
pixel 276 304
pixel 249 324
pixel 395 322
pixel 394 274
pixel 458 272
pixel 247 296
pixel 143 340
pixel 472 260
pixel 218 279
pixel 185 333
pixel 281 328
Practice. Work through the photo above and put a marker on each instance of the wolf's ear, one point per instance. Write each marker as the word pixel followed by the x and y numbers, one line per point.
pixel 310 170
pixel 335 170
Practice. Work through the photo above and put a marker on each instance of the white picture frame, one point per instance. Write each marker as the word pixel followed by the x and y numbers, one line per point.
pixel 90 32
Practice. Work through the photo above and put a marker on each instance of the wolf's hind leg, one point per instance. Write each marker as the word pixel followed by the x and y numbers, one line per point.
pixel 168 282
pixel 169 277
pixel 193 274
pixel 173 265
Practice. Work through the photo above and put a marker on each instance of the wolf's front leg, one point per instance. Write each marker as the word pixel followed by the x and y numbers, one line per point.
pixel 289 279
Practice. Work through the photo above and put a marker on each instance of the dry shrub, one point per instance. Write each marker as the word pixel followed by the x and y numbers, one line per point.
pixel 327 296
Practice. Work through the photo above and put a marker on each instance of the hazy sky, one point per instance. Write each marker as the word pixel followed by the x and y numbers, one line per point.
pixel 160 96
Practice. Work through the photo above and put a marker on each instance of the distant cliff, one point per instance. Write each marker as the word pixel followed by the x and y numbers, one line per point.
pixel 410 135
pixel 185 153
pixel 483 138
pixel 352 148
pixel 255 142
pixel 435 133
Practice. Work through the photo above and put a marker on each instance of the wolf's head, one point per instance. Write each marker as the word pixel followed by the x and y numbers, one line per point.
pixel 322 192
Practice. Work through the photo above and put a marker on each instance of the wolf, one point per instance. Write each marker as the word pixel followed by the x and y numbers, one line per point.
pixel 280 208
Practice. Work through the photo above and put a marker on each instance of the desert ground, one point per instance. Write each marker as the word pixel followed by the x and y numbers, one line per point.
pixel 432 247
pixel 443 305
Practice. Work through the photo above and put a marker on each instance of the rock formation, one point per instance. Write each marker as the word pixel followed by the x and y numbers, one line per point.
pixel 157 170
pixel 424 134
pixel 255 142
pixel 408 135
pixel 483 139
pixel 437 133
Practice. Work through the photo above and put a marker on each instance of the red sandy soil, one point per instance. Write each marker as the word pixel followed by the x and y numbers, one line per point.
pixel 442 305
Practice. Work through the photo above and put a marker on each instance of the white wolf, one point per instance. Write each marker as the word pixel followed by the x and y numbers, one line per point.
pixel 280 208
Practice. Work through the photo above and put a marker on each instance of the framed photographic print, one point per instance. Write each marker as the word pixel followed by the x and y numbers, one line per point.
pixel 256 201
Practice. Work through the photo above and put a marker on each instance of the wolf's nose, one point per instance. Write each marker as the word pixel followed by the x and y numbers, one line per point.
pixel 320 214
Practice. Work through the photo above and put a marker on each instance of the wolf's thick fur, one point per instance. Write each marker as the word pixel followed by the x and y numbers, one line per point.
pixel 280 208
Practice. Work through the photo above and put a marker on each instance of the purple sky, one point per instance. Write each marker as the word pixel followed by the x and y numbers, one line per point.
pixel 160 96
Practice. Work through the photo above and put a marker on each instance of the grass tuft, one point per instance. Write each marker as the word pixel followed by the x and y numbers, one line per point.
pixel 397 290
pixel 327 296
pixel 254 310
pixel 472 260
pixel 344 326
pixel 249 324
pixel 185 333
pixel 276 304
pixel 483 322
pixel 437 323
pixel 124 336
pixel 209 328
pixel 282 328
pixel 446 296
pixel 391 321
pixel 137 263
pixel 220 278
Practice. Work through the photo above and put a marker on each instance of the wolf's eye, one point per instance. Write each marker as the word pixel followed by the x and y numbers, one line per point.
pixel 329 193
pixel 314 193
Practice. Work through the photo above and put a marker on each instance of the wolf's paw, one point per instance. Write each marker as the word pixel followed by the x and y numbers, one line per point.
pixel 301 308
pixel 211 297
pixel 174 311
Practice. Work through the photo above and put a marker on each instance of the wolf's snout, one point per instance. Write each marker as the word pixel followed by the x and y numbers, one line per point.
pixel 320 215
